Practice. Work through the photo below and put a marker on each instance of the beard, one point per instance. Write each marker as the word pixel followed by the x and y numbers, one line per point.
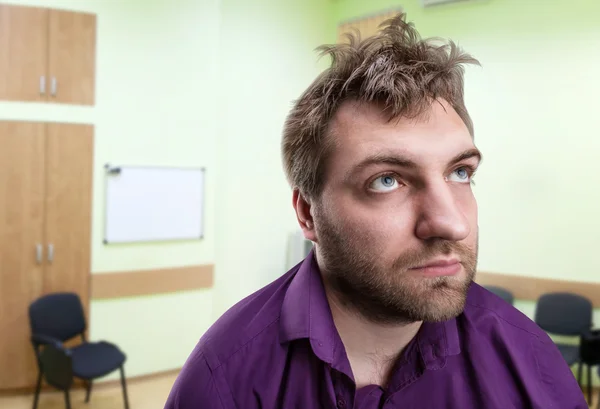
pixel 387 293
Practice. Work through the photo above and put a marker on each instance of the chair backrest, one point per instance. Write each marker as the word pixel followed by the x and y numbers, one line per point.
pixel 58 315
pixel 502 293
pixel 564 313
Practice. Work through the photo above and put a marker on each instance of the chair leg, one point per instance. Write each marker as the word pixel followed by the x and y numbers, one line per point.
pixel 580 375
pixel 67 399
pixel 589 383
pixel 37 390
pixel 88 391
pixel 124 386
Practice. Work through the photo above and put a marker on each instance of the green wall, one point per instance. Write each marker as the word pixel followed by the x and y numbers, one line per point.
pixel 267 61
pixel 500 21
pixel 192 83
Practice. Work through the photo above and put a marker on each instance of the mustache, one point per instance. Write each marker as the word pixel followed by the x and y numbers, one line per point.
pixel 416 258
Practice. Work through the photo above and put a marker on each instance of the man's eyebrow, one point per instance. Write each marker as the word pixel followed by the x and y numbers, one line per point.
pixel 403 162
pixel 468 154
pixel 379 159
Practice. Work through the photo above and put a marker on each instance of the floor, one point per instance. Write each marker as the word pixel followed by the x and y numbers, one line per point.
pixel 143 394
pixel 148 393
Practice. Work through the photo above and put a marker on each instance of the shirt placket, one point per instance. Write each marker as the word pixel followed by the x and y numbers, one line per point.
pixel 344 390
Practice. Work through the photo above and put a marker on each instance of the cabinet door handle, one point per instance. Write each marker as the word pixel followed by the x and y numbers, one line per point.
pixel 42 84
pixel 53 86
pixel 38 253
pixel 50 253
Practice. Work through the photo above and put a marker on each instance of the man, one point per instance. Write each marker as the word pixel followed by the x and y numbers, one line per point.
pixel 384 312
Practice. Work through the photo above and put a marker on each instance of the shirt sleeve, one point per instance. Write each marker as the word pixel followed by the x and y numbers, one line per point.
pixel 557 377
pixel 195 387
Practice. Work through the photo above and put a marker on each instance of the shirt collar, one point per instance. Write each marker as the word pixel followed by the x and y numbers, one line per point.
pixel 437 341
pixel 305 313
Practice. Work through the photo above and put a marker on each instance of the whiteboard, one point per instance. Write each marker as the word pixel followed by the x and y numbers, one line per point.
pixel 153 204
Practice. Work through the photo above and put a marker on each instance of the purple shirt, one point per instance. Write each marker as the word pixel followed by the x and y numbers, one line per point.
pixel 279 348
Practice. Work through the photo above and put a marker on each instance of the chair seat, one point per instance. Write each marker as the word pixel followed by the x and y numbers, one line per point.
pixel 569 352
pixel 95 359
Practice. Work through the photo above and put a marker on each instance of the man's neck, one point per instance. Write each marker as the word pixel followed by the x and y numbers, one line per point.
pixel 372 349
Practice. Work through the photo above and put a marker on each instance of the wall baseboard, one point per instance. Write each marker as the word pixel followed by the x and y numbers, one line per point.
pixel 138 379
pixel 531 288
pixel 150 282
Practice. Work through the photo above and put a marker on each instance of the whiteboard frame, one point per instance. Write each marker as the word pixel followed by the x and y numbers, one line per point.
pixel 108 169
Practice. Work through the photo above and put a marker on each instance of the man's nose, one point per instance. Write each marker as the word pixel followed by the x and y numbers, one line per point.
pixel 440 216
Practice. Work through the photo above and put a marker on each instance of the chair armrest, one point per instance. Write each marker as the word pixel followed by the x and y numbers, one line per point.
pixel 590 334
pixel 40 339
pixel 57 365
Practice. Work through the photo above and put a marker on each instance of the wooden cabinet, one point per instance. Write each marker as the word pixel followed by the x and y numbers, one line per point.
pixel 45 230
pixel 69 157
pixel 47 55
pixel 21 235
pixel 71 57
pixel 23 52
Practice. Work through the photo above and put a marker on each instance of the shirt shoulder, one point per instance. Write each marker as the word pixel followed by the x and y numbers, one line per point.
pixel 196 383
pixel 236 338
pixel 252 317
pixel 487 310
pixel 512 332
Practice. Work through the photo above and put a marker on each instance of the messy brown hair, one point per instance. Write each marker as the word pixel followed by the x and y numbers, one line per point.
pixel 395 69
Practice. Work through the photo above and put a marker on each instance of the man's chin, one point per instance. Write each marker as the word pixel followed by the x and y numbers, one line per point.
pixel 446 305
pixel 441 301
pixel 443 314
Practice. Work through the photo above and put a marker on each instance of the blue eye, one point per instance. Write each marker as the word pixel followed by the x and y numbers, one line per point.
pixel 384 183
pixel 462 175
pixel 388 181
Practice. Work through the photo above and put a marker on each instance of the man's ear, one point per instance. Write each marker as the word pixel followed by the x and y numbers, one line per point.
pixel 304 215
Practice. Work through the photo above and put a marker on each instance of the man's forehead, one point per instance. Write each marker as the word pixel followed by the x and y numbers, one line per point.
pixel 352 114
pixel 433 139
pixel 355 121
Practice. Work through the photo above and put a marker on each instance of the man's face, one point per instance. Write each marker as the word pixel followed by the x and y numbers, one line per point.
pixel 396 225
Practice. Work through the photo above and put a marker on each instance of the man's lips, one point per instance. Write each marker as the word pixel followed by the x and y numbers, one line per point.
pixel 440 267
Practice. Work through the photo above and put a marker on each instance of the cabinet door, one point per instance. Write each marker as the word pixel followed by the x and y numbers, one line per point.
pixel 21 231
pixel 72 57
pixel 23 53
pixel 69 165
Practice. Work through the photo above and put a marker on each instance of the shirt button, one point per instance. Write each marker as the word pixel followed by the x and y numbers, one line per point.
pixel 341 403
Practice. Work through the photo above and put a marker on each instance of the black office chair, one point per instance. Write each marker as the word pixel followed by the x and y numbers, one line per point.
pixel 502 293
pixel 566 314
pixel 55 319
